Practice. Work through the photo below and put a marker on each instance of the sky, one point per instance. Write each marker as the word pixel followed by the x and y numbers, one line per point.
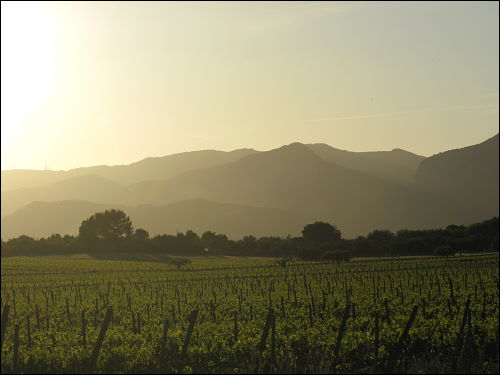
pixel 93 83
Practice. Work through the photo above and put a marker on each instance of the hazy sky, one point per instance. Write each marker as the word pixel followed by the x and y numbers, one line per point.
pixel 111 83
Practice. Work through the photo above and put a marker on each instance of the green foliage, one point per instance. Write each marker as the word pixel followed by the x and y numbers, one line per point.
pixel 308 298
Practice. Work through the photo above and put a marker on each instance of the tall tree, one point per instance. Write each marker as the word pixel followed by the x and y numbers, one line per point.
pixel 108 225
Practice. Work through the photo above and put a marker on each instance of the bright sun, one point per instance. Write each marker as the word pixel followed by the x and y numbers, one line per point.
pixel 28 62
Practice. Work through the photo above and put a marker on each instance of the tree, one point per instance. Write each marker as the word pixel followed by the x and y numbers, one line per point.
pixel 208 236
pixel 380 235
pixel 108 225
pixel 321 232
pixel 141 234
pixel 191 236
pixel 22 245
pixel 249 239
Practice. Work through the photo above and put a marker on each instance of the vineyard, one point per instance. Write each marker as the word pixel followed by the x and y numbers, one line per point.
pixel 250 315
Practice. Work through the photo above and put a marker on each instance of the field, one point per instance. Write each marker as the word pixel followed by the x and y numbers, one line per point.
pixel 247 315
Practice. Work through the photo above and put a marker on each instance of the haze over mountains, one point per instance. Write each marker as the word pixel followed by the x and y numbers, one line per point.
pixel 267 193
pixel 153 168
pixel 197 214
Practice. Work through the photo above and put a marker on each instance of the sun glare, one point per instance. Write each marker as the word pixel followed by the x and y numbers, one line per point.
pixel 28 62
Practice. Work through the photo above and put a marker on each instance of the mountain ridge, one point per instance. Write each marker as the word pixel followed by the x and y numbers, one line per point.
pixel 359 192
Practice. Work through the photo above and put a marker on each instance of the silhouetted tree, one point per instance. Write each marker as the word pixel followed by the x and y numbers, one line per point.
pixel 380 235
pixel 321 232
pixel 108 225
pixel 112 231
pixel 249 239
pixel 22 245
pixel 141 234
pixel 208 236
pixel 191 236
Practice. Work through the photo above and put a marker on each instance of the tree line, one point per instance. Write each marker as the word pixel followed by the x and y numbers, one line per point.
pixel 112 231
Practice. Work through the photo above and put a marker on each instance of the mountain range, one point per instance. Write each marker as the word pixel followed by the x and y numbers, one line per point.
pixel 262 193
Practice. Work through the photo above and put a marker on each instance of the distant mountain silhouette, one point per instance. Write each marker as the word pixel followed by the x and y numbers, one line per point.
pixel 41 219
pixel 153 168
pixel 90 188
pixel 358 192
pixel 467 174
pixel 295 179
pixel 397 165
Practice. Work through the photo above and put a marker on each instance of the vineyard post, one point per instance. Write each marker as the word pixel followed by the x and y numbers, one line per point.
pixel 311 318
pixel 100 338
pixel 341 332
pixel 265 332
pixel 468 346
pixel 15 358
pixel 84 329
pixel 393 357
pixel 5 321
pixel 376 337
pixel 283 314
pixel 37 315
pixel 163 345
pixel 459 340
pixel 139 323
pixel 387 312
pixel 263 339
pixel 28 330
pixel 450 311
pixel 235 329
pixel 273 339
pixel 67 310
pixel 483 313
pixel 187 339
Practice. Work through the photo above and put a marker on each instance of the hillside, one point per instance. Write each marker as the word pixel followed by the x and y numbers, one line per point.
pixel 469 174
